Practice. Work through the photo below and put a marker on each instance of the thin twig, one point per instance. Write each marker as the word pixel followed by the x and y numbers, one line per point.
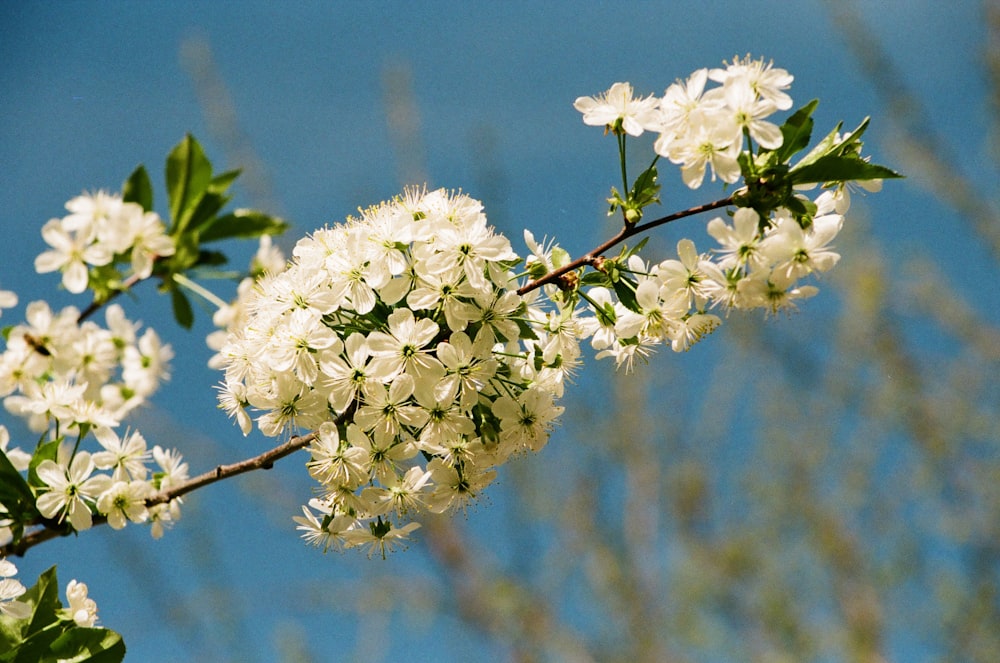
pixel 626 232
pixel 264 461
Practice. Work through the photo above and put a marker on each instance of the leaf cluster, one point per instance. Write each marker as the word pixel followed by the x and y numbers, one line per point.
pixel 196 199
pixel 835 161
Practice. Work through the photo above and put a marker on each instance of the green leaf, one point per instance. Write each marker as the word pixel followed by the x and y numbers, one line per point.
pixel 47 451
pixel 822 148
pixel 748 165
pixel 139 189
pixel 15 493
pixel 183 312
pixel 595 278
pixel 189 174
pixel 46 637
pixel 796 132
pixel 833 168
pixel 245 223
pixel 207 208
pixel 44 600
pixel 211 259
pixel 802 209
pixel 627 252
pixel 221 182
pixel 625 289
pixel 852 142
pixel 13 487
pixel 88 645
pixel 185 254
pixel 524 329
pixel 10 637
pixel 646 189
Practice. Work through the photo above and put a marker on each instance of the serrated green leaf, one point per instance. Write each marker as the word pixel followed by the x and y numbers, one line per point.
pixel 627 252
pixel 245 223
pixel 208 207
pixel 10 637
pixel 46 451
pixel 833 168
pixel 88 645
pixel 821 148
pixel 748 165
pixel 183 312
pixel 139 189
pixel 44 599
pixel 625 289
pixel 189 174
pixel 15 493
pixel 12 483
pixel 595 278
pixel 524 330
pixel 646 189
pixel 796 132
pixel 221 182
pixel 802 209
pixel 36 633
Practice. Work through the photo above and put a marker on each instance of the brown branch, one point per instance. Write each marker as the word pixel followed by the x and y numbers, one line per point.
pixel 556 275
pixel 97 304
pixel 264 461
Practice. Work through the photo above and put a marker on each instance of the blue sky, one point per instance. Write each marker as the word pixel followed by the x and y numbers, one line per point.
pixel 90 89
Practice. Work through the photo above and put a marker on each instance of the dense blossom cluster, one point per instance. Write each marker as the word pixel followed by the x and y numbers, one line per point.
pixel 69 378
pixel 397 337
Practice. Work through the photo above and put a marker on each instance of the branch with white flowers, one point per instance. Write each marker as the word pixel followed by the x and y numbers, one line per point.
pixel 411 351
pixel 53 529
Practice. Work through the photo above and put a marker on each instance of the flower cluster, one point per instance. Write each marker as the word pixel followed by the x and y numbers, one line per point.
pixel 398 338
pixel 268 259
pixel 403 345
pixel 671 302
pixel 701 129
pixel 102 229
pixel 70 377
pixel 763 251
pixel 58 370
